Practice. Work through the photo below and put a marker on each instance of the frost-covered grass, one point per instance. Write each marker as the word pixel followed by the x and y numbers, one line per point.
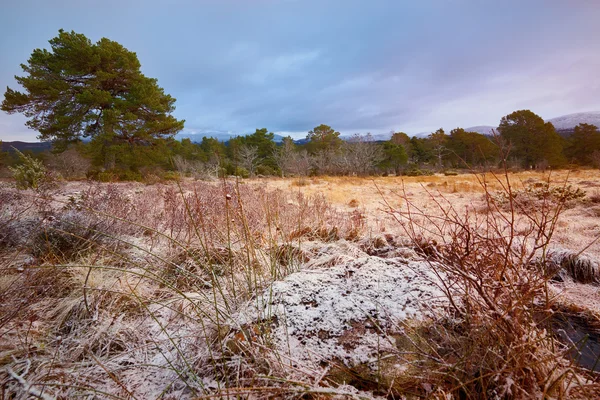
pixel 580 222
pixel 130 290
pixel 272 290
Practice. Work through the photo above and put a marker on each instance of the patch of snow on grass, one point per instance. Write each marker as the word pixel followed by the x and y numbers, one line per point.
pixel 343 312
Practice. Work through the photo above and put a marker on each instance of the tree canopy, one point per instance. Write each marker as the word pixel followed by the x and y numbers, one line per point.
pixel 532 140
pixel 471 148
pixel 323 138
pixel 583 143
pixel 80 89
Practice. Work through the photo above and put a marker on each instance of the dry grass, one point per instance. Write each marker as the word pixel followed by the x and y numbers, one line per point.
pixel 144 277
pixel 131 291
pixel 580 223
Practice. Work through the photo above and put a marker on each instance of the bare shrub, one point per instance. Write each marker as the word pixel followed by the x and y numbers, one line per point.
pixel 493 343
pixel 70 164
pixel 197 169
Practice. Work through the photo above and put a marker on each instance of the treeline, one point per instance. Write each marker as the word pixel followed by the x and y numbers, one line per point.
pixel 525 137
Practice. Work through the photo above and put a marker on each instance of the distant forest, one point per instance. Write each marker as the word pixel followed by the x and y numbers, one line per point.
pixel 528 141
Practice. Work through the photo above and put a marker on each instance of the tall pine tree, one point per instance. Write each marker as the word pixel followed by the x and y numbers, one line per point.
pixel 79 89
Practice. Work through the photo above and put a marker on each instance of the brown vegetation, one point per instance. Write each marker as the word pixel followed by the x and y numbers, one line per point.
pixel 129 291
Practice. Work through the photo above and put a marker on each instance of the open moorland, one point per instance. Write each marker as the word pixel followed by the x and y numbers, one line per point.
pixel 300 200
pixel 461 286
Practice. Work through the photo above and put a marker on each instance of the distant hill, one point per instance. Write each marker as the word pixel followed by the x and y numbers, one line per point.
pixel 566 124
pixel 197 137
pixel 35 147
pixel 483 129
pixel 420 134
pixel 374 138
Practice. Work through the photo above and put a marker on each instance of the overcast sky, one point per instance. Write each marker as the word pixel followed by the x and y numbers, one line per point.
pixel 359 66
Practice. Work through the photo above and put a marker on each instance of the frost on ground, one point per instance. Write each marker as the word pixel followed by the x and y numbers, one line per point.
pixel 347 312
pixel 576 266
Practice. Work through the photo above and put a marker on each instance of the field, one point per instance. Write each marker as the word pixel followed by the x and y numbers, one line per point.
pixel 579 224
pixel 465 286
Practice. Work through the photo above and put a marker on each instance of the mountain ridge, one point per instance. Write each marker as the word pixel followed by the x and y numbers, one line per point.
pixel 564 124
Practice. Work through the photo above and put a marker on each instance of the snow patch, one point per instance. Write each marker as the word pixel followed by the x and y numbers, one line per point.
pixel 483 129
pixel 344 312
pixel 570 121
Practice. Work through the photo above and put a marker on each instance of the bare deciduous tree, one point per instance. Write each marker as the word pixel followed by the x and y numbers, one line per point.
pixel 248 156
pixel 284 156
pixel 361 154
pixel 300 163
pixel 70 164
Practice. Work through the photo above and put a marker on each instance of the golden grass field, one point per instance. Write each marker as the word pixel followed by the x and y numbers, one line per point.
pixel 578 227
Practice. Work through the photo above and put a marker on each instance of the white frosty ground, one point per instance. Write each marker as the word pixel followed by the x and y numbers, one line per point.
pixel 343 312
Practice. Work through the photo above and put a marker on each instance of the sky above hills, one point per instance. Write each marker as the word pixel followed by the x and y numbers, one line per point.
pixel 359 66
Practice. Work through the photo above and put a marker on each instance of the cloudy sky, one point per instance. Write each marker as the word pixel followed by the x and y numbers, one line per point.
pixel 359 66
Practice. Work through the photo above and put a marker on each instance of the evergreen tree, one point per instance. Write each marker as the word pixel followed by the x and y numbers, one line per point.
pixel 212 147
pixel 265 146
pixel 420 151
pixel 80 89
pixel 471 148
pixel 402 139
pixel 532 140
pixel 584 141
pixel 285 156
pixel 323 138
pixel 437 142
pixel 395 157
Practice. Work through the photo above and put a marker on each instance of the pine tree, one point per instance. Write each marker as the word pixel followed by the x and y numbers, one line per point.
pixel 532 140
pixel 584 141
pixel 80 89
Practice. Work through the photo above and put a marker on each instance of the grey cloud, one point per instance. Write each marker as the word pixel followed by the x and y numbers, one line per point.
pixel 359 66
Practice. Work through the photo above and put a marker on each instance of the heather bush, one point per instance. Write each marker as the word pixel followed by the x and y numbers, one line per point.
pixel 537 196
pixel 171 176
pixel 414 170
pixel 15 220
